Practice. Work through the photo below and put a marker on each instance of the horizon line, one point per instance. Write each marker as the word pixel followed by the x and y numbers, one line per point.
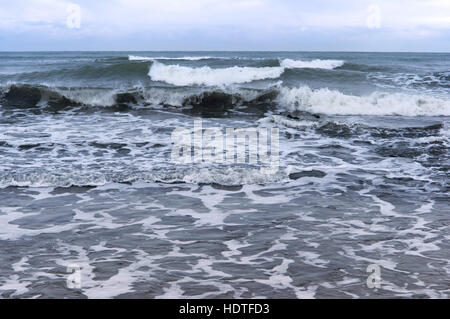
pixel 288 51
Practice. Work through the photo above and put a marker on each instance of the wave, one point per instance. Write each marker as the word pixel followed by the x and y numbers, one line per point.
pixel 185 76
pixel 220 99
pixel 333 102
pixel 92 73
pixel 27 96
pixel 431 80
pixel 365 68
pixel 314 64
pixel 286 63
pixel 135 71
pixel 186 58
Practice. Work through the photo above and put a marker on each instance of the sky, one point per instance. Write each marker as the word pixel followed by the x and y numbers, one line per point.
pixel 233 25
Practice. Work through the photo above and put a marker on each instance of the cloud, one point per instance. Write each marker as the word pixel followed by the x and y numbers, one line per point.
pixel 255 21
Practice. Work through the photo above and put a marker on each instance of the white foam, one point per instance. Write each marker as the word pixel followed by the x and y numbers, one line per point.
pixel 184 76
pixel 314 64
pixel 327 101
pixel 232 175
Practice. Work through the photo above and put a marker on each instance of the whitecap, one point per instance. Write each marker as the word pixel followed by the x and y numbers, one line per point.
pixel 314 64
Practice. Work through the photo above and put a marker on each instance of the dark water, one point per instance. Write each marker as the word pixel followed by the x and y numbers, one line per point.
pixel 86 176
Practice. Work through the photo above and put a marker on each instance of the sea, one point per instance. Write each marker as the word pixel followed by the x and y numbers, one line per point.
pixel 93 206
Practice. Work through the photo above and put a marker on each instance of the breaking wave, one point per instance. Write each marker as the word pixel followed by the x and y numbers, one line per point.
pixel 185 76
pixel 323 101
pixel 333 102
pixel 26 96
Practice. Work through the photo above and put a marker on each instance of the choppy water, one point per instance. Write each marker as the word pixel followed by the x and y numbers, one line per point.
pixel 86 176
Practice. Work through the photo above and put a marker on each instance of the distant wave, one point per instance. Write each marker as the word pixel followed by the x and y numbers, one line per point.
pixel 314 64
pixel 184 76
pixel 135 71
pixel 327 101
pixel 436 80
pixel 286 63
pixel 187 58
pixel 96 72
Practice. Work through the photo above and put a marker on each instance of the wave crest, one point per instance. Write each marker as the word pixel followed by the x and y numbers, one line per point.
pixel 186 58
pixel 185 76
pixel 314 64
pixel 333 102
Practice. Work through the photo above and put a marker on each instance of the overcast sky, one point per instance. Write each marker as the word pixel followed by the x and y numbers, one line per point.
pixel 325 25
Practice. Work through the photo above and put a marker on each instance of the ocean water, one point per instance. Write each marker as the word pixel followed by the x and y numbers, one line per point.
pixel 87 181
